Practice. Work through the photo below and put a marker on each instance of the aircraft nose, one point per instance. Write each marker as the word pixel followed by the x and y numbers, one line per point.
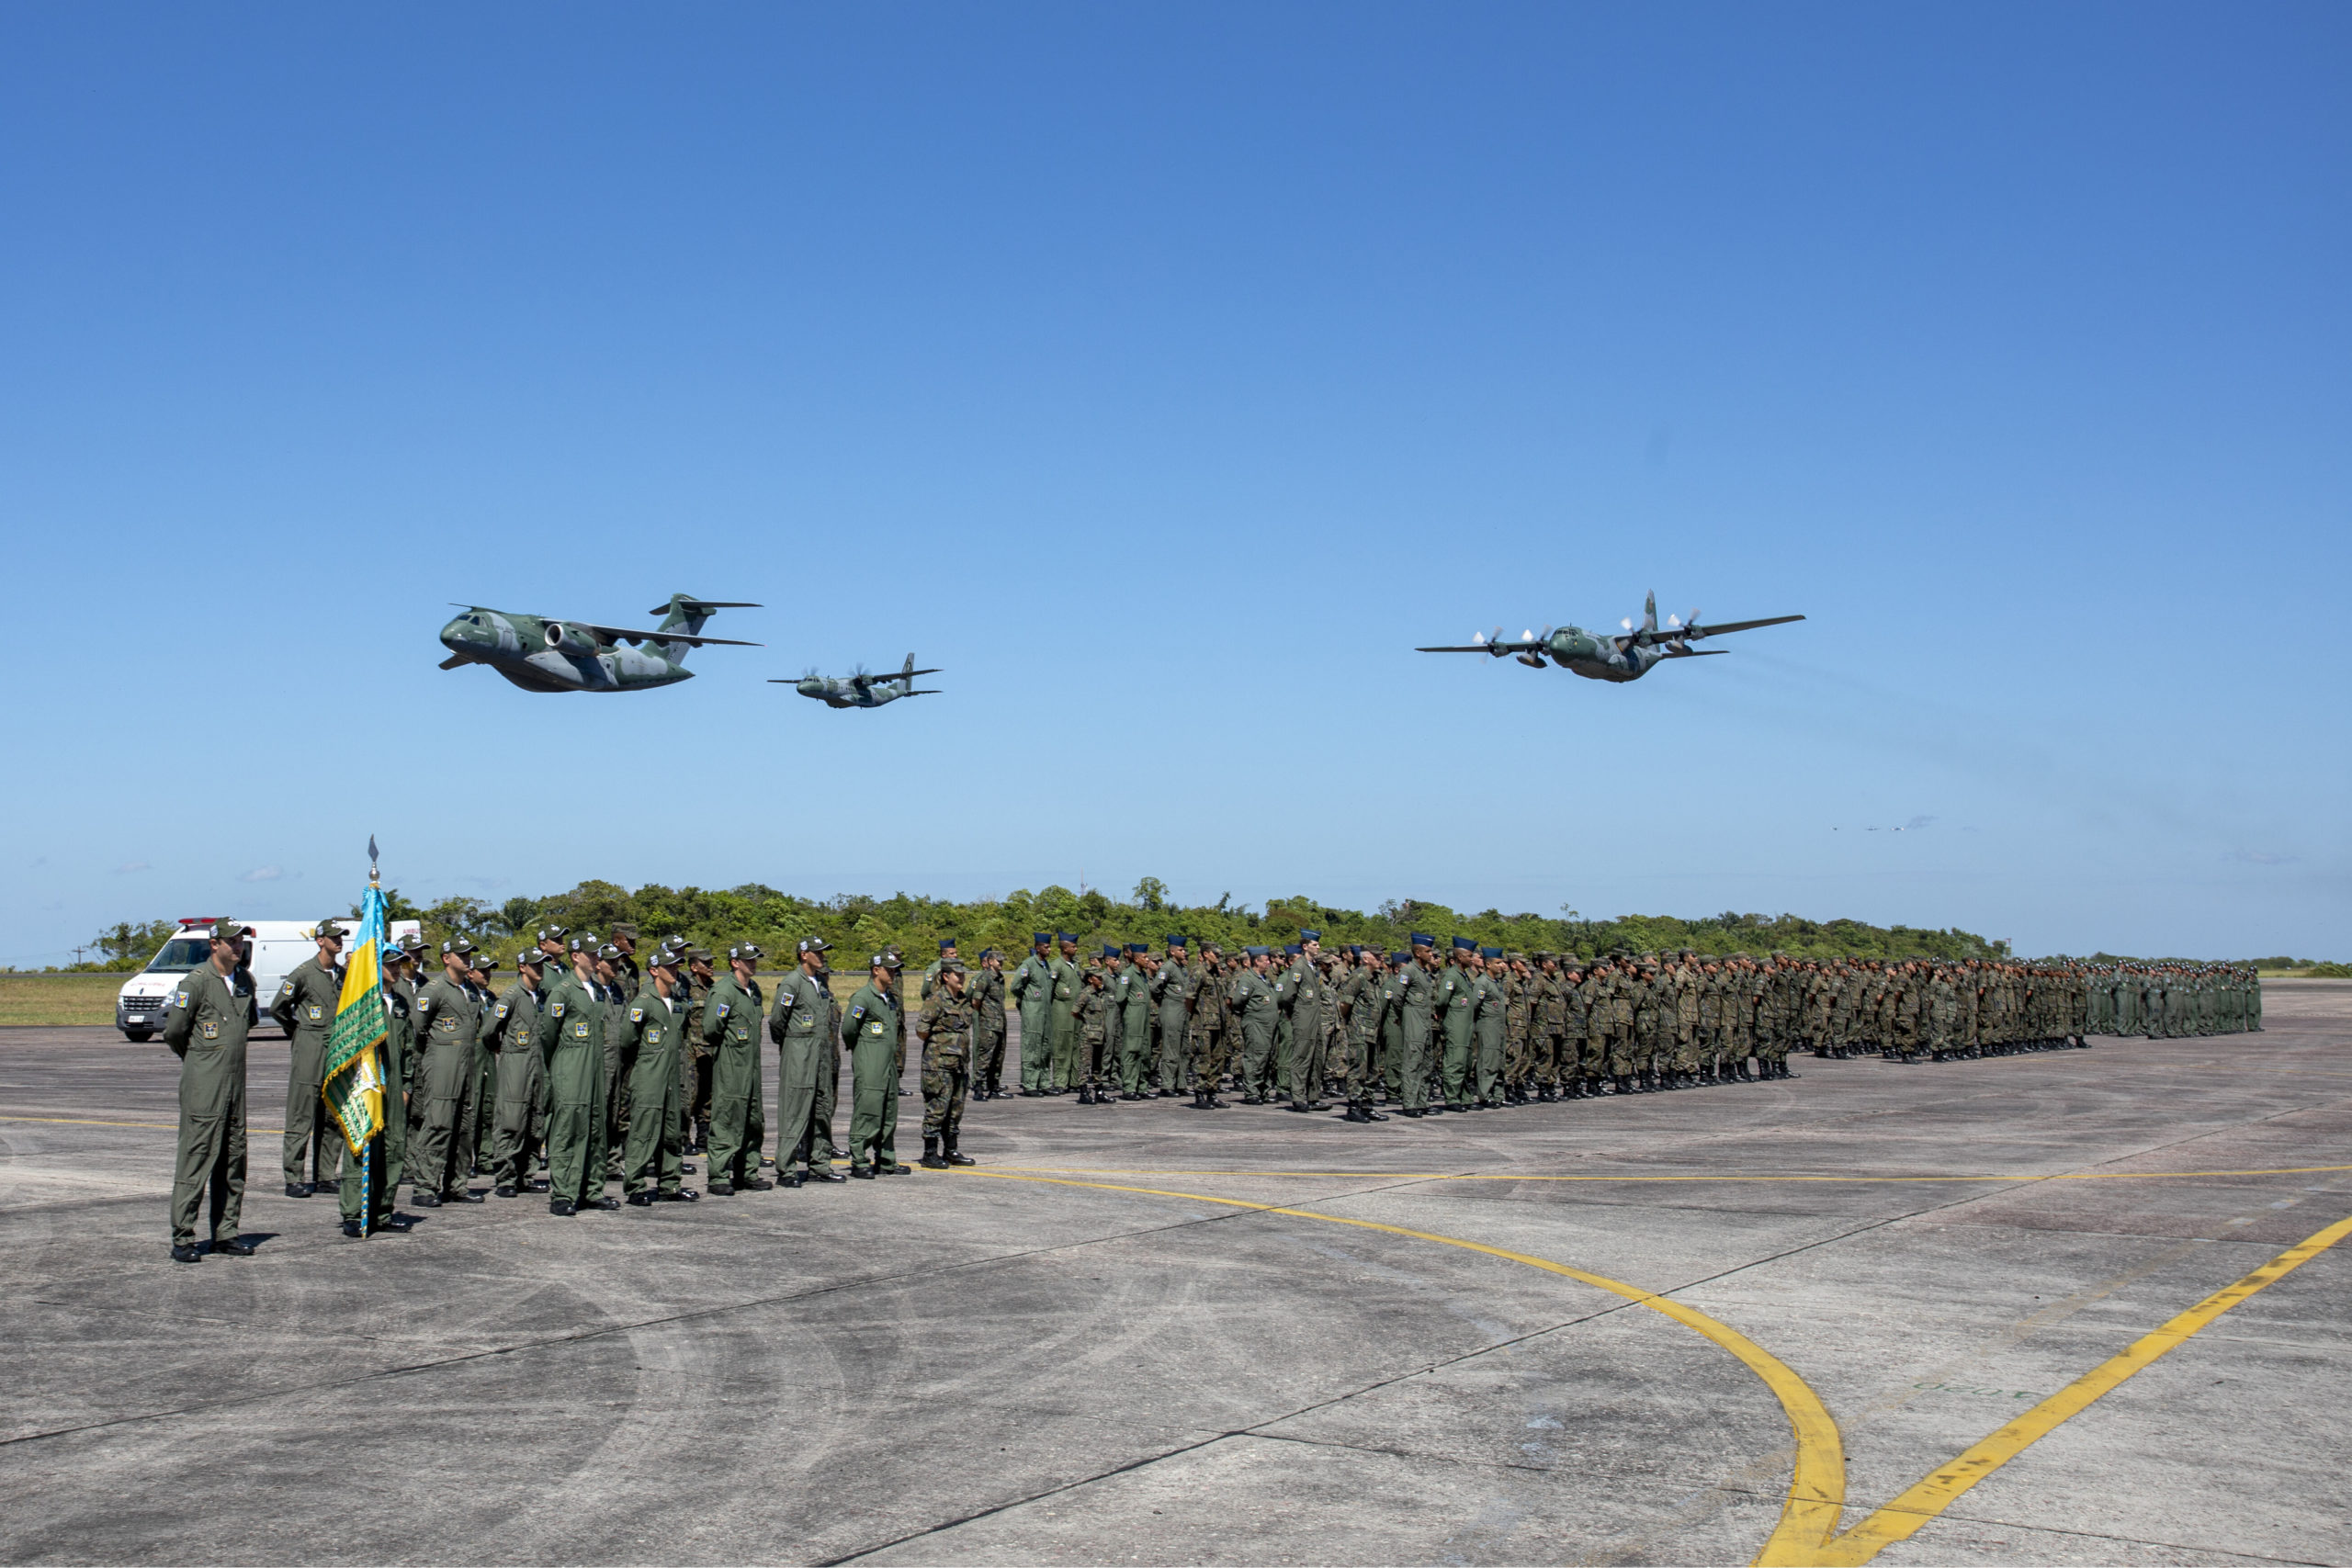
pixel 457 633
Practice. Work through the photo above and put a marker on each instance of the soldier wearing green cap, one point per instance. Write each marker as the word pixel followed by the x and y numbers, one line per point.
pixel 730 1025
pixel 1031 990
pixel 985 986
pixel 801 1025
pixel 945 1030
pixel 447 1017
pixel 210 1014
pixel 656 1024
pixel 870 1028
pixel 511 1031
pixel 304 1008
pixel 572 1038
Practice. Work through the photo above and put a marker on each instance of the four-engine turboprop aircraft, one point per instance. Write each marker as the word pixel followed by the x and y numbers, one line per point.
pixel 1611 656
pixel 540 654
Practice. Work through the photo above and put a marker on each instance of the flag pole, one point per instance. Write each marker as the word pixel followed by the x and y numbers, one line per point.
pixel 368 1149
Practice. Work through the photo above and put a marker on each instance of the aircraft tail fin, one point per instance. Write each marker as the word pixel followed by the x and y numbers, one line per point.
pixel 686 614
pixel 1649 612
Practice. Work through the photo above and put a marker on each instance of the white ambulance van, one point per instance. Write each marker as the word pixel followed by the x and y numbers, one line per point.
pixel 277 946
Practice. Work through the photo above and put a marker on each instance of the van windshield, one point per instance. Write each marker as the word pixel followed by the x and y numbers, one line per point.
pixel 180 954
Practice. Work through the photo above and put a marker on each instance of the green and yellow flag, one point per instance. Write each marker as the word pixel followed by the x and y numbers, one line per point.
pixel 353 1086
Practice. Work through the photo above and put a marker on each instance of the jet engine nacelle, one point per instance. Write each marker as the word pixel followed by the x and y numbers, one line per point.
pixel 570 643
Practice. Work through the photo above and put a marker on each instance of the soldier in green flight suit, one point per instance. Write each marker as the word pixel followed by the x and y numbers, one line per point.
pixel 1069 980
pixel 572 1041
pixel 1032 990
pixel 390 1148
pixel 1455 992
pixel 512 1032
pixel 658 1023
pixel 730 1025
pixel 1416 1004
pixel 477 1118
pixel 1301 997
pixel 1171 995
pixel 802 1027
pixel 1251 996
pixel 210 1014
pixel 304 1008
pixel 448 1016
pixel 870 1028
pixel 1489 1019
pixel 1134 1022
pixel 984 988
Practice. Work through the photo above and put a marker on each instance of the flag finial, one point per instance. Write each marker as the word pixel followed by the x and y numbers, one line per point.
pixel 371 860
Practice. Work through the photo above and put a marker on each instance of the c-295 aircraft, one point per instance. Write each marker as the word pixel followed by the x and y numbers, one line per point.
pixel 858 689
pixel 1611 656
pixel 540 654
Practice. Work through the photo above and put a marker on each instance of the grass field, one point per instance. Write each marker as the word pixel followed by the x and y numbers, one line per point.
pixel 58 1000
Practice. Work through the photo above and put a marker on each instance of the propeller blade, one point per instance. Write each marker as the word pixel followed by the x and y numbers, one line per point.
pixel 1627 622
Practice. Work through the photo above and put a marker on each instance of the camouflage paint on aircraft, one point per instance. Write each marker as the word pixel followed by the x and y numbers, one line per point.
pixel 1611 656
pixel 858 689
pixel 541 654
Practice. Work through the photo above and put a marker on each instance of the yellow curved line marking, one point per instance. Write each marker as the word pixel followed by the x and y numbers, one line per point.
pixel 1795 1543
pixel 1485 1176
pixel 1818 1483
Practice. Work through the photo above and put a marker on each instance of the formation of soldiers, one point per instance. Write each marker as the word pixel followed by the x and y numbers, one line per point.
pixel 587 1069
pixel 1487 1028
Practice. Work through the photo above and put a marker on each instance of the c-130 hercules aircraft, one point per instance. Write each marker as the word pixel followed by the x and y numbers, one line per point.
pixel 1612 656
pixel 543 655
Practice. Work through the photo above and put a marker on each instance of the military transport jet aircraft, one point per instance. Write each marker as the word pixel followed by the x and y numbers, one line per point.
pixel 858 689
pixel 1611 656
pixel 542 655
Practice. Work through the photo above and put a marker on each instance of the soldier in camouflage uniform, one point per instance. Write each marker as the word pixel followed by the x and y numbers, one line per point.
pixel 945 1030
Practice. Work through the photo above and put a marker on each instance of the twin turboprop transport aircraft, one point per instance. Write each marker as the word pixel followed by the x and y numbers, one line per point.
pixel 543 655
pixel 1611 656
pixel 858 689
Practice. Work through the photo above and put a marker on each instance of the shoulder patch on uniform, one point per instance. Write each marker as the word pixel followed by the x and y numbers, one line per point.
pixel 286 990
pixel 498 1011
pixel 858 1011
pixel 555 1009
pixel 722 1008
pixel 179 999
pixel 637 1015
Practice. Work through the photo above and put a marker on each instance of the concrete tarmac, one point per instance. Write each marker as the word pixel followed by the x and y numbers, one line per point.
pixel 1104 1346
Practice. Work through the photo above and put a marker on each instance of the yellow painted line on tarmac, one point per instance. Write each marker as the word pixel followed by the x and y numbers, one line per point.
pixel 1733 1177
pixel 1795 1543
pixel 1817 1484
pixel 152 1126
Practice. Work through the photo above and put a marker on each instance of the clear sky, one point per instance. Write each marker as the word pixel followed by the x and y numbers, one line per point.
pixel 1166 372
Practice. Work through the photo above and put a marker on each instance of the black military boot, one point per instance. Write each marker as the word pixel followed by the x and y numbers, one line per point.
pixel 1200 1099
pixel 948 1152
pixel 931 1158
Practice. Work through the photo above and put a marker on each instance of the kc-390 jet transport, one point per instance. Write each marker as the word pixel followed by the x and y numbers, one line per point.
pixel 539 653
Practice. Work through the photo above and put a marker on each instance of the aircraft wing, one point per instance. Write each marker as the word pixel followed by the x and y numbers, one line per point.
pixel 1737 625
pixel 1495 649
pixel 454 660
pixel 1695 652
pixel 634 634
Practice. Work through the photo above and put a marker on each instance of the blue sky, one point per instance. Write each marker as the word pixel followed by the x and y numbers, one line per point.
pixel 1166 372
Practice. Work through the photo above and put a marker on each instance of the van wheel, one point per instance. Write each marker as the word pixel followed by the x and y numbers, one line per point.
pixel 139 1036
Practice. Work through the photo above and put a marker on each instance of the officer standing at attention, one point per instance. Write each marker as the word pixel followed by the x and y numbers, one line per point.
pixel 1488 1023
pixel 1171 992
pixel 1093 1018
pixel 699 1068
pixel 1416 1004
pixel 898 967
pixel 985 986
pixel 447 1016
pixel 512 1032
pixel 1367 1007
pixel 945 1030
pixel 1457 992
pixel 657 1025
pixel 1303 998
pixel 1134 1022
pixel 1069 980
pixel 729 1027
pixel 870 1028
pixel 304 1008
pixel 572 1038
pixel 1032 990
pixel 477 1118
pixel 211 1013
pixel 801 1027
pixel 1252 998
